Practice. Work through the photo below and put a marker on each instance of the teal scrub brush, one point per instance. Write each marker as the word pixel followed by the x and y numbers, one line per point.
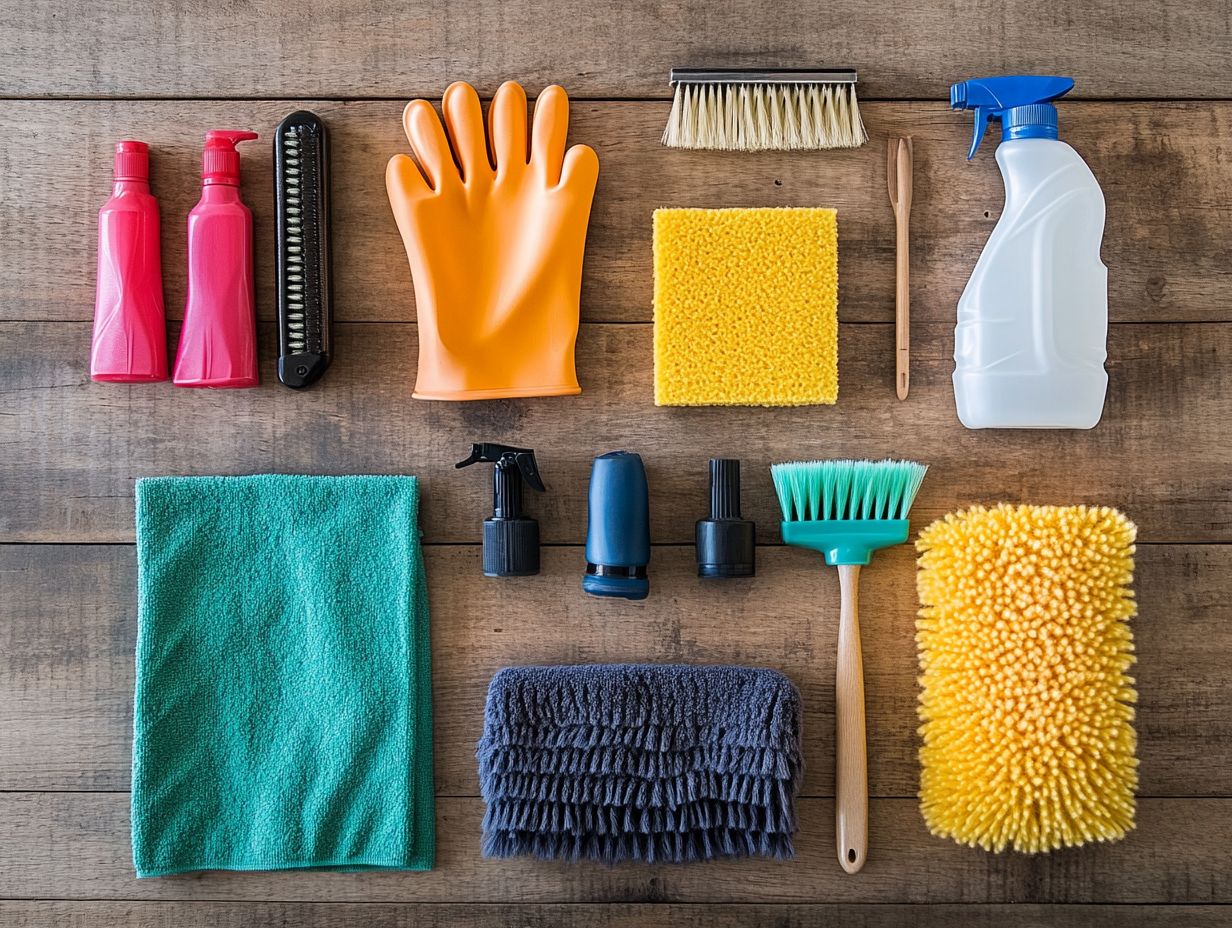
pixel 847 510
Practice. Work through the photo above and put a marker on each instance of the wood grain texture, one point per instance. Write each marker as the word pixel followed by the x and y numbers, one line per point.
pixel 76 846
pixel 1164 169
pixel 67 627
pixel 72 447
pixel 303 48
pixel 70 450
pixel 24 914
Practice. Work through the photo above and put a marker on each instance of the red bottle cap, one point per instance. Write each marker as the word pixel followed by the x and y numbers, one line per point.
pixel 132 160
pixel 220 163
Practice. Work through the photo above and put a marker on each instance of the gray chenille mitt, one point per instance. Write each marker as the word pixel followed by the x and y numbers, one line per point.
pixel 661 763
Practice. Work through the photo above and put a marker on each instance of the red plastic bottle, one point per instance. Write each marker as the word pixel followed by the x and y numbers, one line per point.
pixel 218 343
pixel 130 332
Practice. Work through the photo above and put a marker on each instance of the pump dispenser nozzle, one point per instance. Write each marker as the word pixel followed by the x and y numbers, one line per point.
pixel 510 539
pixel 220 162
pixel 1021 103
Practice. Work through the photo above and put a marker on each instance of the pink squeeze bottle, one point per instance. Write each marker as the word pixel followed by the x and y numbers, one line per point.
pixel 130 335
pixel 218 344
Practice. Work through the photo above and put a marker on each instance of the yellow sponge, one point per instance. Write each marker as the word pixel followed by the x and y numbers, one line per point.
pixel 1026 702
pixel 746 307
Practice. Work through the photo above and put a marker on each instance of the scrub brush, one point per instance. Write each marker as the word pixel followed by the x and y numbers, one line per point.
pixel 301 230
pixel 847 510
pixel 746 109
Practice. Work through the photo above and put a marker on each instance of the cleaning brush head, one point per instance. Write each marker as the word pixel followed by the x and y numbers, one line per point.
pixel 756 110
pixel 846 509
pixel 814 490
pixel 301 235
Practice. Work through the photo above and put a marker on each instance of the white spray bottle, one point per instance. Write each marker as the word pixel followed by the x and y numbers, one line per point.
pixel 1032 331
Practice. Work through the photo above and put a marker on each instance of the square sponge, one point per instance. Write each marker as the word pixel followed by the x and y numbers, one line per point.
pixel 746 307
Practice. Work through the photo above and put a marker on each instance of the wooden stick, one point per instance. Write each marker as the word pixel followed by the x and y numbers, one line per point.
pixel 899 165
pixel 851 801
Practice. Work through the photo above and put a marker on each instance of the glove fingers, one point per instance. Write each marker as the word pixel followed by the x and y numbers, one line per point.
pixel 507 119
pixel 428 142
pixel 581 170
pixel 406 185
pixel 464 120
pixel 547 137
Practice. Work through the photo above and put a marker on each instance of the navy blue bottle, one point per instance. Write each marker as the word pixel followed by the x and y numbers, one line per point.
pixel 618 532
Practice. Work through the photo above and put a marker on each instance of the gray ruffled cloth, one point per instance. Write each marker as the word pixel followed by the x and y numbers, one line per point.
pixel 661 763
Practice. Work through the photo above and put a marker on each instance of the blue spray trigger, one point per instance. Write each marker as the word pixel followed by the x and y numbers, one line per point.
pixel 992 97
pixel 982 115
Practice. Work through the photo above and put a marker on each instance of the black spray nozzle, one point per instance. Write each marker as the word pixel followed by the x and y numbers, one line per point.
pixel 726 543
pixel 510 539
pixel 506 457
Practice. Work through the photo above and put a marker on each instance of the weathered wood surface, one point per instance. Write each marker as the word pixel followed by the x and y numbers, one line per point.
pixel 1164 170
pixel 23 914
pixel 67 627
pixel 71 448
pixel 75 846
pixel 386 48
pixel 1154 126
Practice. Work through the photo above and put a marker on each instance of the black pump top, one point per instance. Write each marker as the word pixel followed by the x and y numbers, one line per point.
pixel 726 543
pixel 510 539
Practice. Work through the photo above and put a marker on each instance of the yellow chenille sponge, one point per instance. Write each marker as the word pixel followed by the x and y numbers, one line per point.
pixel 745 307
pixel 1026 701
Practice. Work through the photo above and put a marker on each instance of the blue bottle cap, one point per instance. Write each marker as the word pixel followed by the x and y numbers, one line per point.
pixel 633 584
pixel 1032 121
pixel 618 533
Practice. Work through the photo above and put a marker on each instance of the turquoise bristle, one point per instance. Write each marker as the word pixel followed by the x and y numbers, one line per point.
pixel 819 490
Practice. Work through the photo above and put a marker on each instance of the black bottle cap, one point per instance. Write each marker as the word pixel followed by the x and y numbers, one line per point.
pixel 510 539
pixel 510 547
pixel 726 543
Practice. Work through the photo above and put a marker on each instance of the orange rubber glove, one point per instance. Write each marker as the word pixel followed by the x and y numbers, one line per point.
pixel 495 252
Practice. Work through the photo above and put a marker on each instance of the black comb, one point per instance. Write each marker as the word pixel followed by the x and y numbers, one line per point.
pixel 301 209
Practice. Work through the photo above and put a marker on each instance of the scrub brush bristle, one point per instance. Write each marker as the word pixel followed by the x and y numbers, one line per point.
pixel 1026 701
pixel 817 490
pixel 749 110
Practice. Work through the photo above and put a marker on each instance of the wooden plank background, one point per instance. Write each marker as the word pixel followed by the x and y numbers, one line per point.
pixel 1152 115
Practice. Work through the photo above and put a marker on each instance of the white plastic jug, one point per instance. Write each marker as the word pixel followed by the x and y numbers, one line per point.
pixel 1031 340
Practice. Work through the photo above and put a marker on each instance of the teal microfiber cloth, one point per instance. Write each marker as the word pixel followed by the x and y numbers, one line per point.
pixel 283 714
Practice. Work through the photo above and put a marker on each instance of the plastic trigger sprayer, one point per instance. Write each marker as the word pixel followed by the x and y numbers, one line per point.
pixel 510 539
pixel 1031 340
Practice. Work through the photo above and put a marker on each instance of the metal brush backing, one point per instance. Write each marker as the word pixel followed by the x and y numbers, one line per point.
pixel 758 76
pixel 301 210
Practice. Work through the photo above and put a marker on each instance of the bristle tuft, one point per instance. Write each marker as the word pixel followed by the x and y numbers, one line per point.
pixel 764 117
pixel 815 490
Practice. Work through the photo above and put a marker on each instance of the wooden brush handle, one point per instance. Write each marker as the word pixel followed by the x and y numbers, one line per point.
pixel 851 805
pixel 902 309
pixel 899 164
